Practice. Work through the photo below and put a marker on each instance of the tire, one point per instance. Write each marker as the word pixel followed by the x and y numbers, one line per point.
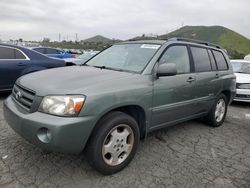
pixel 217 114
pixel 109 149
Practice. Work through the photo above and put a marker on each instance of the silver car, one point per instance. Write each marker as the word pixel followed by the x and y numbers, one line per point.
pixel 242 72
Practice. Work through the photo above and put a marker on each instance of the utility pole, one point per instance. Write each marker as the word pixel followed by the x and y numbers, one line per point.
pixel 76 37
pixel 59 37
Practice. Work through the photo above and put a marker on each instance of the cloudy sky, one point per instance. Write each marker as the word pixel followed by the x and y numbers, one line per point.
pixel 123 19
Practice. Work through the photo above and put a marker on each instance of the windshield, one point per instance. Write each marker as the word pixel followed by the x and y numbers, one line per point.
pixel 241 67
pixel 86 56
pixel 126 57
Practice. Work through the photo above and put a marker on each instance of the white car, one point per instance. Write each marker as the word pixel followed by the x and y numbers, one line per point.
pixel 81 59
pixel 242 71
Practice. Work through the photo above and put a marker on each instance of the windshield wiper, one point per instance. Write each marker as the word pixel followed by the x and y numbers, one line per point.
pixel 100 67
pixel 108 68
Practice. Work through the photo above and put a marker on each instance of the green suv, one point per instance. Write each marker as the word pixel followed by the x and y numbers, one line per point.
pixel 130 89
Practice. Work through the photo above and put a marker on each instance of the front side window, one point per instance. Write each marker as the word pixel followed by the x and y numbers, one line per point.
pixel 201 59
pixel 179 56
pixel 220 60
pixel 125 57
pixel 7 53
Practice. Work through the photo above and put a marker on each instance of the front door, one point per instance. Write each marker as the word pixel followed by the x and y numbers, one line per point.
pixel 173 95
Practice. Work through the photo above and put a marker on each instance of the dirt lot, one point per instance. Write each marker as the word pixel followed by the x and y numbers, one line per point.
pixel 187 155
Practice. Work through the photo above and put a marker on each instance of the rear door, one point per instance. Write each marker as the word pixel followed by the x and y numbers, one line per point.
pixel 12 62
pixel 173 95
pixel 207 78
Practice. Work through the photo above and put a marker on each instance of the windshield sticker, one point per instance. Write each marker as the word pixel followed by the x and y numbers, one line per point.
pixel 150 46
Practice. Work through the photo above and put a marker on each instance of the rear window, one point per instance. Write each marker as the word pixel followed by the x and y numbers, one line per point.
pixel 220 60
pixel 201 59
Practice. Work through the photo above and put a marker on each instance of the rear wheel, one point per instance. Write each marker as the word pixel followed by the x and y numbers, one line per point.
pixel 113 143
pixel 217 114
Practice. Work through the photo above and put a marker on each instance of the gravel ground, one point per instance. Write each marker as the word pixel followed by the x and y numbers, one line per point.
pixel 187 155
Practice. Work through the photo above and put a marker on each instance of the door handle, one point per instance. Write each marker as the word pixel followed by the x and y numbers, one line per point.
pixel 217 75
pixel 21 64
pixel 191 79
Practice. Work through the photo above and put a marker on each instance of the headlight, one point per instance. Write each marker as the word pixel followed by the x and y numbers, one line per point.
pixel 243 86
pixel 68 105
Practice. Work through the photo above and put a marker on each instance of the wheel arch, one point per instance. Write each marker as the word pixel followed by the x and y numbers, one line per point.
pixel 228 95
pixel 135 111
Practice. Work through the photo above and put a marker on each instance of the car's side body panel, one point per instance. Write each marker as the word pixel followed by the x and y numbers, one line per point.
pixel 11 69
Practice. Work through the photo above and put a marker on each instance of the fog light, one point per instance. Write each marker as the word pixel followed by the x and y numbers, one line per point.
pixel 44 135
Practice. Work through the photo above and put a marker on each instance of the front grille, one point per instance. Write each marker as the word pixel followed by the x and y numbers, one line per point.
pixel 23 96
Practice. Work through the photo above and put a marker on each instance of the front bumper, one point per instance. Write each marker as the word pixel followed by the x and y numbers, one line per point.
pixel 69 134
pixel 242 95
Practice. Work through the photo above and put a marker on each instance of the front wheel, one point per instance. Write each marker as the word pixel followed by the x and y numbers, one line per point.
pixel 217 114
pixel 113 143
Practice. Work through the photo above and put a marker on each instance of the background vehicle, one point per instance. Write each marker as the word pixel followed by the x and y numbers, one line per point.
pixel 16 61
pixel 247 57
pixel 81 59
pixel 242 72
pixel 54 52
pixel 120 95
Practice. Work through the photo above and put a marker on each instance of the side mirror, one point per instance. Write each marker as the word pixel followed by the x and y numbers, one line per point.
pixel 167 69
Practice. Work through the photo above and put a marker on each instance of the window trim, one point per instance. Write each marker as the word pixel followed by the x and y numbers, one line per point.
pixel 189 57
pixel 216 66
pixel 10 47
pixel 216 60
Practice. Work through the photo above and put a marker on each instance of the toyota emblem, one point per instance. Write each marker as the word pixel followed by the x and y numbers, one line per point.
pixel 18 95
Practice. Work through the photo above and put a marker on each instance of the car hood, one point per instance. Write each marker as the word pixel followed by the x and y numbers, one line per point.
pixel 242 78
pixel 75 80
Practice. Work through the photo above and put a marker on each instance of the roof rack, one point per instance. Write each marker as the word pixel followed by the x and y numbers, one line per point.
pixel 195 41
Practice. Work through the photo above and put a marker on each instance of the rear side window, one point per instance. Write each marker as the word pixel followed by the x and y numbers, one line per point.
pixel 52 51
pixel 59 52
pixel 220 60
pixel 179 56
pixel 201 59
pixel 19 55
pixel 212 60
pixel 40 50
pixel 7 53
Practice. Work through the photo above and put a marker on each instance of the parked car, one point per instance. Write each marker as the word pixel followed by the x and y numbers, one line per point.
pixel 54 52
pixel 247 57
pixel 81 59
pixel 16 61
pixel 87 55
pixel 242 72
pixel 119 96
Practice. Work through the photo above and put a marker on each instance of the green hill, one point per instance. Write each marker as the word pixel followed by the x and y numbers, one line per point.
pixel 237 45
pixel 98 38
